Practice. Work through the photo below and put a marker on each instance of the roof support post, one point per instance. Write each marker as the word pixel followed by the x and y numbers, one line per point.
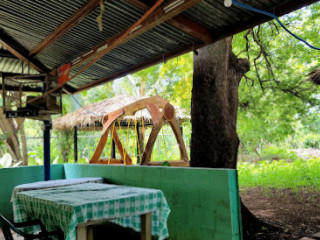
pixel 113 150
pixel 46 149
pixel 75 142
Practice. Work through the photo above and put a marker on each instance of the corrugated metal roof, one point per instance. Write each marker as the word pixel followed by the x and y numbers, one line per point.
pixel 11 64
pixel 29 22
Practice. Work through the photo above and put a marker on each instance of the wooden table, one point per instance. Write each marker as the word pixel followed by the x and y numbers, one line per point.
pixel 76 208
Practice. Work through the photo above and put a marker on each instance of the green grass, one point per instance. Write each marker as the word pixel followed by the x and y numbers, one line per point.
pixel 296 175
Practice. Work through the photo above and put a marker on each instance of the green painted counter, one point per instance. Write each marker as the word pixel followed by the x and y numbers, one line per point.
pixel 204 202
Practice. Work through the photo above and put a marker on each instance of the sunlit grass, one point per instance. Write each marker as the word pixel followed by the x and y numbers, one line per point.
pixel 296 175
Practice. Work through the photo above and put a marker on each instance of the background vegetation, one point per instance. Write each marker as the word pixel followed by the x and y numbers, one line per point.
pixel 278 107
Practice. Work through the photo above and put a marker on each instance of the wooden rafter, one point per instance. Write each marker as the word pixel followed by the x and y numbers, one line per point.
pixel 181 22
pixel 20 52
pixel 140 66
pixel 120 40
pixel 162 14
pixel 80 14
pixel 279 11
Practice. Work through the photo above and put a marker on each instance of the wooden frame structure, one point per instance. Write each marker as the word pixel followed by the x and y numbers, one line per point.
pixel 161 112
pixel 186 25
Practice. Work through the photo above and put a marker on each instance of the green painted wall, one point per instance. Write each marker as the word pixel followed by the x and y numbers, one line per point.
pixel 204 202
pixel 11 177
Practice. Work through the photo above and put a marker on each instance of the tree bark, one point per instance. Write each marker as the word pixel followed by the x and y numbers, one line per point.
pixel 214 107
pixel 10 128
pixel 20 122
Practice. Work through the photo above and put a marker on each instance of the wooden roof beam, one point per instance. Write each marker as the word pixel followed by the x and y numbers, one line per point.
pixel 80 14
pixel 181 22
pixel 141 66
pixel 279 11
pixel 162 14
pixel 20 52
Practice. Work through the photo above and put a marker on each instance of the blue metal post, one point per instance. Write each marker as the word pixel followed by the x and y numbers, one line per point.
pixel 46 149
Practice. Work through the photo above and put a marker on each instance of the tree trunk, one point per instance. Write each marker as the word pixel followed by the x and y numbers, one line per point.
pixel 23 139
pixel 10 128
pixel 214 106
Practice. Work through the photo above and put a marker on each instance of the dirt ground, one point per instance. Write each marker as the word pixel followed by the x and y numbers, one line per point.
pixel 296 215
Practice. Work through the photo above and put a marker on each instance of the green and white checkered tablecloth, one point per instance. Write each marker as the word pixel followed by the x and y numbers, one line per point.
pixel 66 207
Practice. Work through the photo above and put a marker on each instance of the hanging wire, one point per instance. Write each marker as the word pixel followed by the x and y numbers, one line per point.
pixel 235 2
pixel 80 105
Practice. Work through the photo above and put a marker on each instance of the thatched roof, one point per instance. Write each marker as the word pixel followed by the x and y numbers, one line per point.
pixel 314 76
pixel 90 117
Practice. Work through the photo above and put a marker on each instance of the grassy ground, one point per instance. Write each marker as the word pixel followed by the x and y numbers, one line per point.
pixel 281 174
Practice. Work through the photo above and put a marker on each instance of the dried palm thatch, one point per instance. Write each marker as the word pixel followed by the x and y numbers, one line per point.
pixel 314 76
pixel 90 117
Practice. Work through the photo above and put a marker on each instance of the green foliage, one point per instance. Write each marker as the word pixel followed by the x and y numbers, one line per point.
pixel 281 174
pixel 275 97
pixel 64 143
pixel 311 140
pixel 274 152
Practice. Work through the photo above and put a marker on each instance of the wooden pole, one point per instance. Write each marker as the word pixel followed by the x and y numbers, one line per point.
pixel 46 149
pixel 140 145
pixel 181 130
pixel 113 150
pixel 75 142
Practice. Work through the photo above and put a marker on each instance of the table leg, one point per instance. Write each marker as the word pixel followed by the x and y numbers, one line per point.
pixel 146 229
pixel 84 232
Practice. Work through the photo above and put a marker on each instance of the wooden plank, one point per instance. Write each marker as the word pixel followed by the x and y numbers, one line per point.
pixel 176 130
pixel 79 15
pixel 109 119
pixel 146 226
pixel 154 111
pixel 159 16
pixel 157 125
pixel 181 22
pixel 99 149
